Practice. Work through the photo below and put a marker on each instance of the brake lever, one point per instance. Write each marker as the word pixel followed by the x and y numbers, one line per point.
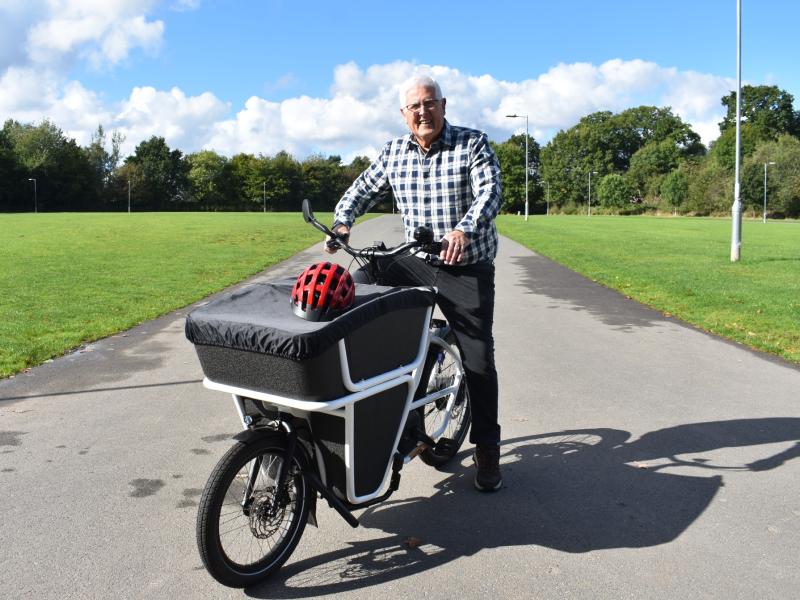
pixel 432 251
pixel 433 248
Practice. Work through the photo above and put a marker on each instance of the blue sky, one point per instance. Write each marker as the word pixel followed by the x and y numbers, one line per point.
pixel 321 77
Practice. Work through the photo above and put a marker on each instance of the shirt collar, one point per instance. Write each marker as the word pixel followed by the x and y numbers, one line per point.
pixel 446 138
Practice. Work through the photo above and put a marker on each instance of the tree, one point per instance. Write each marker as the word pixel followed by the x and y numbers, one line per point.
pixel 211 181
pixel 767 112
pixel 606 143
pixel 675 189
pixel 723 149
pixel 614 191
pixel 783 181
pixel 321 182
pixel 563 162
pixel 710 188
pixel 511 156
pixel 164 175
pixel 102 163
pixel 99 161
pixel 646 124
pixel 285 178
pixel 12 178
pixel 60 167
pixel 767 109
pixel 248 174
pixel 650 164
pixel 124 186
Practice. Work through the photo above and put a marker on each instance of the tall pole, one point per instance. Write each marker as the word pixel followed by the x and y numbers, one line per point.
pixel 515 116
pixel 736 234
pixel 35 195
pixel 265 195
pixel 527 164
pixel 547 198
pixel 590 191
pixel 765 189
pixel 129 193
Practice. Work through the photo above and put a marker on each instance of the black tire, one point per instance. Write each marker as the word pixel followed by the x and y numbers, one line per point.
pixel 254 540
pixel 439 372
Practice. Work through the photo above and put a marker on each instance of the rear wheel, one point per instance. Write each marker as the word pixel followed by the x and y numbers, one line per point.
pixel 442 369
pixel 243 537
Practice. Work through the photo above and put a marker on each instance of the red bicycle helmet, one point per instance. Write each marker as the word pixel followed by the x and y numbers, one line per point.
pixel 322 292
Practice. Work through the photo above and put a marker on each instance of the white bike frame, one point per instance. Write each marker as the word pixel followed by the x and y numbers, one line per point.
pixel 344 407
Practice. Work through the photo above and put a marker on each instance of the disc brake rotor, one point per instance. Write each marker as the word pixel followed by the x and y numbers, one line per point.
pixel 265 518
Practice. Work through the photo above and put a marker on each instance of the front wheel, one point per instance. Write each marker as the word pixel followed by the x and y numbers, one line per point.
pixel 447 419
pixel 243 537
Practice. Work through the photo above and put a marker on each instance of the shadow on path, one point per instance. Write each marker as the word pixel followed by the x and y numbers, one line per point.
pixel 542 276
pixel 572 491
pixel 103 389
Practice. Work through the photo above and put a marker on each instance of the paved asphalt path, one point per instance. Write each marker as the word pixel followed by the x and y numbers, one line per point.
pixel 642 459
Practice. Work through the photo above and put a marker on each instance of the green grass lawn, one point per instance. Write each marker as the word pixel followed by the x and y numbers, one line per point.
pixel 682 267
pixel 71 278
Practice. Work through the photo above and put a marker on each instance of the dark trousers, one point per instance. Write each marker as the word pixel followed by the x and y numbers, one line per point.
pixel 466 298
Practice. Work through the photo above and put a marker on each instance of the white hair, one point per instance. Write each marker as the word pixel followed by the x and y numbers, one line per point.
pixel 423 81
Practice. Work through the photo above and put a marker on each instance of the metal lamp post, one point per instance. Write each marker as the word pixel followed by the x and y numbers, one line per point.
pixel 736 210
pixel 765 188
pixel 547 198
pixel 590 191
pixel 264 183
pixel 515 116
pixel 35 195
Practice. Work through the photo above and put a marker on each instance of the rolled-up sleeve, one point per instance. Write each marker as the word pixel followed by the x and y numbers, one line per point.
pixel 484 174
pixel 366 191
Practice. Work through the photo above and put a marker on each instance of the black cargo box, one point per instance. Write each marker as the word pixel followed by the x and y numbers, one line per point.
pixel 251 339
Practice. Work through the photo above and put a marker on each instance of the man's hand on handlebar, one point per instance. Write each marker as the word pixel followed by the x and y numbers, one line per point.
pixel 331 246
pixel 453 246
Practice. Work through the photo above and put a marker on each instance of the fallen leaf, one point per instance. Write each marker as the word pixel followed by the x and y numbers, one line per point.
pixel 412 542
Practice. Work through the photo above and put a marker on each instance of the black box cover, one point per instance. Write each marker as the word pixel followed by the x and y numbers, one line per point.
pixel 259 318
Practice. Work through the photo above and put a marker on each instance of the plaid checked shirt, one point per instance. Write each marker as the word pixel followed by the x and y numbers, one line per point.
pixel 456 185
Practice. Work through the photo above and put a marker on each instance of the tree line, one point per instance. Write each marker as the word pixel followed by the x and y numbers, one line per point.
pixel 646 159
pixel 41 168
pixel 643 159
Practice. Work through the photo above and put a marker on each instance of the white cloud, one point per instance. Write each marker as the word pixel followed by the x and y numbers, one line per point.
pixel 186 122
pixel 29 96
pixel 185 5
pixel 41 39
pixel 101 31
pixel 361 110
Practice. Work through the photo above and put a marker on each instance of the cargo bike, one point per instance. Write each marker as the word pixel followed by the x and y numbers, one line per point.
pixel 332 408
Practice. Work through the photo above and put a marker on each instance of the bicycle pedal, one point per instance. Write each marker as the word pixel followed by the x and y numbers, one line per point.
pixel 444 446
pixel 418 450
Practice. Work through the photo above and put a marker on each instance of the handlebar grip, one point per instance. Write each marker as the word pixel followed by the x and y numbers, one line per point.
pixel 433 248
pixel 334 242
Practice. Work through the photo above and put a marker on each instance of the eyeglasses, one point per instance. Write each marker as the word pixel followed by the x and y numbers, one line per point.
pixel 428 104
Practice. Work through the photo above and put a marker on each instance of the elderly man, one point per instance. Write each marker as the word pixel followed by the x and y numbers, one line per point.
pixel 447 178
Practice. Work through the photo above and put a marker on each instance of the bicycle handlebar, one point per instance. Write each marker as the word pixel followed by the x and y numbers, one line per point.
pixel 426 244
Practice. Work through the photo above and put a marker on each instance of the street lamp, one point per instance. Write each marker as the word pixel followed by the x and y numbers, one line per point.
pixel 547 197
pixel 765 188
pixel 35 198
pixel 590 191
pixel 736 210
pixel 265 195
pixel 515 116
pixel 129 192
